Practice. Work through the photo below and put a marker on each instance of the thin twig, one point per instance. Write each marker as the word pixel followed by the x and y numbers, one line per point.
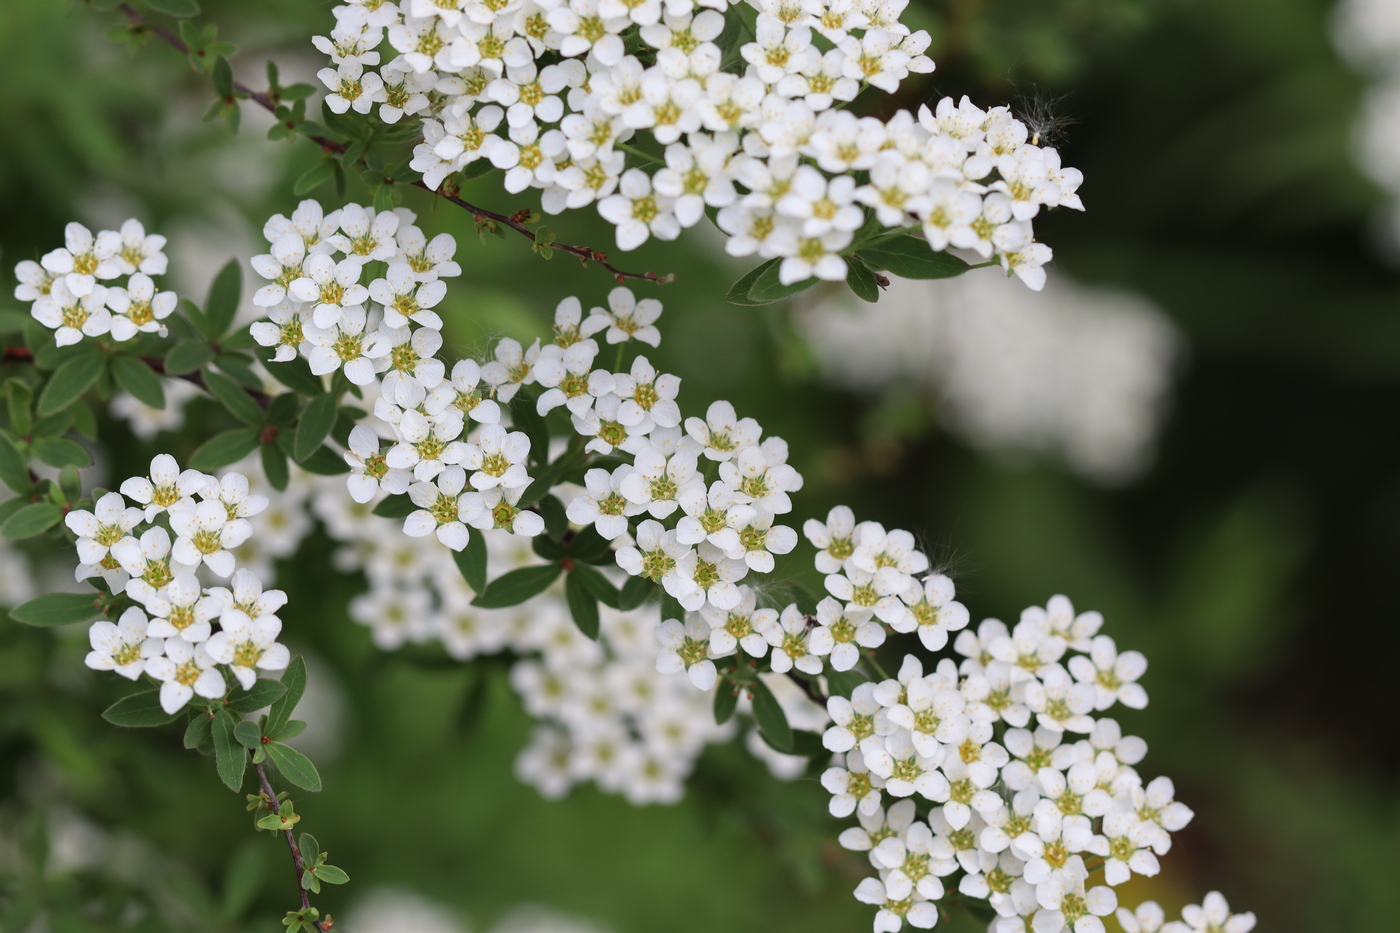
pixel 480 214
pixel 276 807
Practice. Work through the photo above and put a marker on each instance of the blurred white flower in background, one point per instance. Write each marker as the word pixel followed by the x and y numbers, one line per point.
pixel 1075 372
pixel 1367 33
pixel 396 910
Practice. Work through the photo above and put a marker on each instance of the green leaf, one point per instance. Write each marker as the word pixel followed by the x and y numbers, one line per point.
pixel 274 464
pixel 332 875
pixel 291 730
pixel 862 280
pixel 325 462
pixel 294 766
pixel 314 177
pixel 54 425
pixel 20 401
pixel 34 519
pixel 769 288
pixel 223 449
pixel 296 375
pixel 772 721
pixel 309 848
pixel 395 507
pixel 590 546
pixel 58 609
pixel 139 379
pixel 556 523
pixel 596 584
pixel 14 466
pixel 222 303
pixel 187 356
pixel 635 591
pixel 84 421
pixel 317 419
pixel 232 396
pixel 910 257
pixel 247 734
pixel 528 420
pixel 60 452
pixel 739 291
pixel 222 74
pixel 239 366
pixel 263 693
pixel 198 731
pixel 229 756
pixel 180 8
pixel 583 605
pixel 726 699
pixel 843 683
pixel 294 679
pixel 471 560
pixel 138 711
pixel 671 607
pixel 512 589
pixel 282 410
pixel 68 383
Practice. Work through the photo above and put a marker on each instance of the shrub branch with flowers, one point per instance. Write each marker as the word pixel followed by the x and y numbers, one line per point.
pixel 572 512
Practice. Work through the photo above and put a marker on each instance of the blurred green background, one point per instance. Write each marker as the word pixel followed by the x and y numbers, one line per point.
pixel 1248 563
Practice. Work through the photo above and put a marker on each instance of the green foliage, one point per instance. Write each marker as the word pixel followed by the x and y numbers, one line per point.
pixel 222 303
pixel 471 560
pixel 316 422
pixel 910 257
pixel 726 701
pixel 234 399
pixel 513 588
pixel 772 721
pixel 263 693
pixel 223 449
pixel 230 758
pixel 33 519
pixel 583 605
pixel 182 8
pixel 139 379
pixel 58 609
pixel 294 766
pixel 71 380
pixel 760 286
pixel 294 680
pixel 138 710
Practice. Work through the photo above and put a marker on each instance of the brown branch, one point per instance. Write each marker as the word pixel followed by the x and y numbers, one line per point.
pixel 480 214
pixel 276 807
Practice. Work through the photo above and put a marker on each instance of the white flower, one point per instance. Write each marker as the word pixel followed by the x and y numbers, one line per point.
pixel 722 433
pixel 123 647
pixel 714 576
pixel 1112 675
pixel 497 508
pixel 853 720
pixel 343 344
pixel 905 771
pixel 876 58
pixel 655 556
pixel 697 175
pixel 406 297
pixel 910 862
pixel 603 504
pixel 329 287
pixel 137 308
pixel 70 316
pixel 439 509
pixel 822 206
pixel 644 392
pixel 638 212
pixel 1059 703
pixel 185 670
pixel 1063 897
pixel 411 358
pixel 206 534
pixel 1211 916
pixel 875 592
pixel 1147 918
pixel 427 445
pixel 710 515
pixel 626 318
pixel 833 539
pixel 232 491
pixel 511 368
pixel 656 479
pixel 612 429
pixel 498 458
pixel 351 86
pixel 146 560
pixel 282 266
pixel 788 636
pixel 742 626
pixel 853 786
pixel 463 392
pixel 368 470
pixel 761 475
pixel 1154 805
pixel 816 257
pixel 139 252
pixel 429 259
pixel 933 714
pixel 686 647
pixel 284 330
pixel 894 910
pixel 1125 845
pixel 932 611
pixel 84 259
pixel 181 610
pixel 165 487
pixel 569 378
pixel 248 645
pixel 110 521
pixel 366 235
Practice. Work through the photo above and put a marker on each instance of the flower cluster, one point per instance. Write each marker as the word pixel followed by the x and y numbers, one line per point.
pixel 152 552
pixel 551 91
pixel 67 291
